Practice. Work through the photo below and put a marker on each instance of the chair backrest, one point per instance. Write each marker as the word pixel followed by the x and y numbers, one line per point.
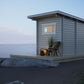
pixel 56 45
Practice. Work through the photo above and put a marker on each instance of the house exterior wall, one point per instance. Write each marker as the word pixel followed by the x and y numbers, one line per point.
pixel 42 39
pixel 69 31
pixel 68 37
pixel 73 37
pixel 80 38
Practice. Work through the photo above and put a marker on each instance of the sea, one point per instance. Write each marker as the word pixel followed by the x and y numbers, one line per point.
pixel 7 49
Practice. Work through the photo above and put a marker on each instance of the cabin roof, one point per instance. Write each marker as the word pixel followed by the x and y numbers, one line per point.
pixel 53 13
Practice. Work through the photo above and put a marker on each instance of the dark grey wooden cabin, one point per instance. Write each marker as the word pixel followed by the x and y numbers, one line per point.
pixel 66 28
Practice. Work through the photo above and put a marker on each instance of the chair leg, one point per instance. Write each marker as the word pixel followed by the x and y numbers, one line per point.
pixel 56 53
pixel 53 53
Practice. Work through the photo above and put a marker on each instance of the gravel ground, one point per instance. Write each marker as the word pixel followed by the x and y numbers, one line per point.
pixel 65 73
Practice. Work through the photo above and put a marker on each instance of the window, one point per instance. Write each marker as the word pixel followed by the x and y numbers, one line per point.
pixel 48 28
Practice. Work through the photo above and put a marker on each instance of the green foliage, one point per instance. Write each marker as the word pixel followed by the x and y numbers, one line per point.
pixel 53 44
pixel 56 44
pixel 50 42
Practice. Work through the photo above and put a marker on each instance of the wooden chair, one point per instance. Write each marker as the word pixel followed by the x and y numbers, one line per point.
pixel 54 50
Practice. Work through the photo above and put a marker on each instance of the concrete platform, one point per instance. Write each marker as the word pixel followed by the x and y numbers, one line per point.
pixel 49 58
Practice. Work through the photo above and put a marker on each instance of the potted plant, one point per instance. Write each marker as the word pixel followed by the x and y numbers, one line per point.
pixel 50 42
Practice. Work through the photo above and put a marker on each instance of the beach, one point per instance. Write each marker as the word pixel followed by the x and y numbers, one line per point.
pixel 65 73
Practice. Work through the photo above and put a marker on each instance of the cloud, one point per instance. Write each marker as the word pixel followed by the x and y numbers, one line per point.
pixel 13 36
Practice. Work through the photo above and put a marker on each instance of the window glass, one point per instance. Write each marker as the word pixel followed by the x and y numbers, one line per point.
pixel 49 28
pixel 45 29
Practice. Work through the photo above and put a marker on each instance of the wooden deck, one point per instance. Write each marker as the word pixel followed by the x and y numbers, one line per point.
pixel 49 58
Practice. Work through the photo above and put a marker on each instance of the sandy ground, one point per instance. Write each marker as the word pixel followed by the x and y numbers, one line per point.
pixel 65 73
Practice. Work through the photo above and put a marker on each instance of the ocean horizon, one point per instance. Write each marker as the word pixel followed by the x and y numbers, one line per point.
pixel 7 49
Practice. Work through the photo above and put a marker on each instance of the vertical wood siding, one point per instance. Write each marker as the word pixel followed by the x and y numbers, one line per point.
pixel 80 38
pixel 68 37
pixel 43 39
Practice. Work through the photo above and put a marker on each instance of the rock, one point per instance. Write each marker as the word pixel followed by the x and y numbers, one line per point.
pixel 23 62
pixel 15 82
pixel 1 60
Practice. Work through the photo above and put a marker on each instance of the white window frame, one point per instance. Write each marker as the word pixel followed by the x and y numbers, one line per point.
pixel 43 33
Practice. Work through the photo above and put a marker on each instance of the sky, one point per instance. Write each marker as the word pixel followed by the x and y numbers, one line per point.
pixel 16 28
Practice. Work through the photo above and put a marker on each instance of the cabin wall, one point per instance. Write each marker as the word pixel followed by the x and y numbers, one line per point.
pixel 80 38
pixel 68 36
pixel 69 31
pixel 42 39
pixel 73 37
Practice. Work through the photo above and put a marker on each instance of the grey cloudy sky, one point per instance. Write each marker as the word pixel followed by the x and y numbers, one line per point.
pixel 12 36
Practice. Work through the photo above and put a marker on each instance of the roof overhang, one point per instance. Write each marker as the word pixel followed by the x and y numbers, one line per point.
pixel 54 13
